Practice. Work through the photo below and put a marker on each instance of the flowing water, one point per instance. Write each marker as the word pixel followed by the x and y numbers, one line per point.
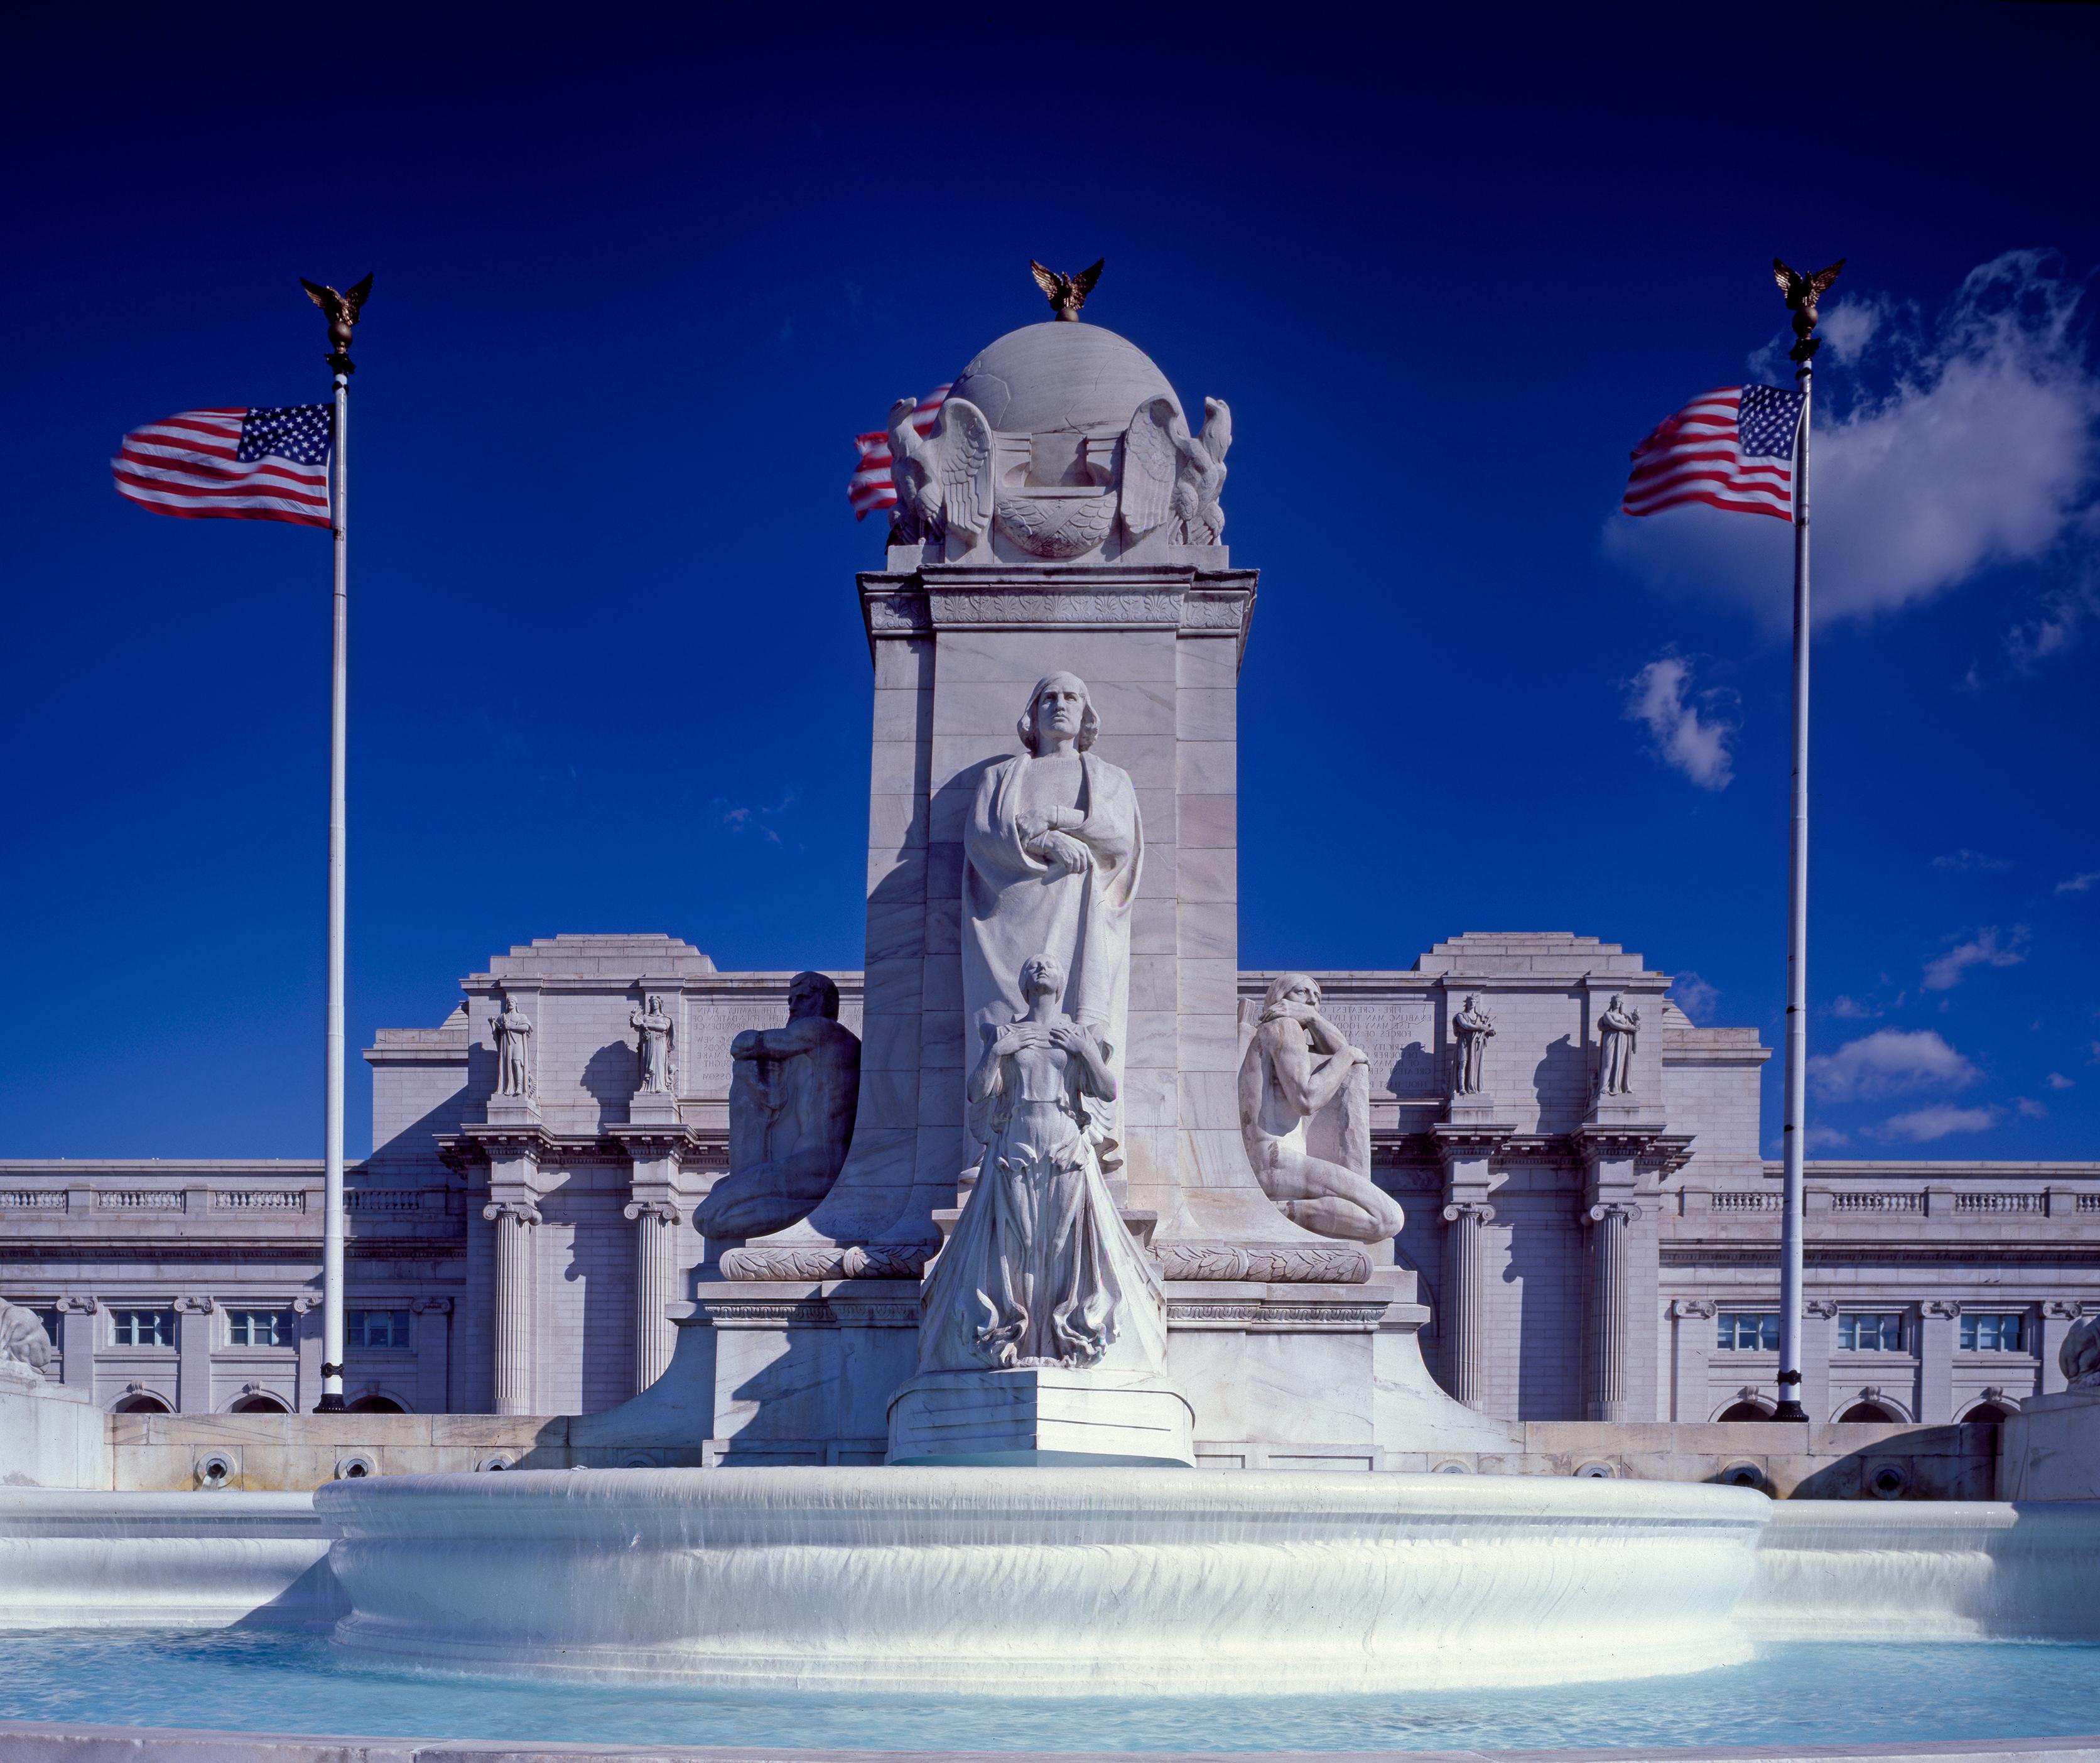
pixel 1823 1692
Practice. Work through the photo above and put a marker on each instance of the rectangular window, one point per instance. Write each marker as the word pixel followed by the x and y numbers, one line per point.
pixel 1985 1333
pixel 49 1320
pixel 1749 1332
pixel 1871 1332
pixel 141 1328
pixel 385 1329
pixel 262 1328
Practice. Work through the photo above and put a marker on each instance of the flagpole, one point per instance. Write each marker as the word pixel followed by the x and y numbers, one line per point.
pixel 342 315
pixel 1801 293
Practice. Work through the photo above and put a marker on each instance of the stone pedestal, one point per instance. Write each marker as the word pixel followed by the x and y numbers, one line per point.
pixel 1041 1414
pixel 2050 1450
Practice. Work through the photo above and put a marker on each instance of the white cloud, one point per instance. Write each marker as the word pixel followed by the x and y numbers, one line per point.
pixel 1942 973
pixel 1890 1060
pixel 2057 1080
pixel 2029 1109
pixel 1694 996
pixel 1849 326
pixel 1965 443
pixel 1695 745
pixel 2080 883
pixel 1851 1009
pixel 1921 1125
pixel 1827 1137
pixel 1967 859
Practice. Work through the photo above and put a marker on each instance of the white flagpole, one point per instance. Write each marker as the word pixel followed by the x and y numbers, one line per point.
pixel 342 311
pixel 1802 294
pixel 331 1319
pixel 1792 1219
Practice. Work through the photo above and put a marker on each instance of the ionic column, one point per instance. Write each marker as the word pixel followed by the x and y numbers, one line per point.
pixel 1466 1299
pixel 514 1220
pixel 1610 1321
pixel 655 1285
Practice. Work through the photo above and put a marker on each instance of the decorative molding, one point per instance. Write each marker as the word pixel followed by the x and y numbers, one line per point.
pixel 1691 1309
pixel 304 1304
pixel 1333 1317
pixel 78 1306
pixel 2064 1309
pixel 190 1304
pixel 432 1306
pixel 1943 1306
pixel 1340 1265
pixel 1824 1307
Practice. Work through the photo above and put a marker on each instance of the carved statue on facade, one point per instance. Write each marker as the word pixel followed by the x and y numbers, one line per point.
pixel 1617 1031
pixel 1041 1270
pixel 22 1340
pixel 791 1098
pixel 1474 1028
pixel 1297 1066
pixel 1173 478
pixel 943 480
pixel 514 1051
pixel 2079 1357
pixel 1053 849
pixel 654 1027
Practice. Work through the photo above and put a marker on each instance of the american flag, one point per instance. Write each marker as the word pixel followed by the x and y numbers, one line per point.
pixel 870 487
pixel 1732 449
pixel 232 465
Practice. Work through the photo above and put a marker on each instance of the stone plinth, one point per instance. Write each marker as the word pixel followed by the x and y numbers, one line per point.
pixel 1041 1414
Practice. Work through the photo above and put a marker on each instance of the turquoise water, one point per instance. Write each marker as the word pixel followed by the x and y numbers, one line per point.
pixel 256 1680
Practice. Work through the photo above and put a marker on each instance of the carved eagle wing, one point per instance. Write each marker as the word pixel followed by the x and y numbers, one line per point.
pixel 1149 460
pixel 963 438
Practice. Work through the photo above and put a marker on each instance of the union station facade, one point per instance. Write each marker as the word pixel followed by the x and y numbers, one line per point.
pixel 1636 1281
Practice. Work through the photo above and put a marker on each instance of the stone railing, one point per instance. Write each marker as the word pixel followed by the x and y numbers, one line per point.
pixel 40 1200
pixel 139 1199
pixel 260 1199
pixel 2089 1202
pixel 381 1202
pixel 1744 1201
pixel 2001 1202
pixel 1884 1201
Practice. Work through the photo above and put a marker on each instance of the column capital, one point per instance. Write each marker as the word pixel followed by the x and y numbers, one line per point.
pixel 1619 1211
pixel 661 1210
pixel 1465 1208
pixel 189 1305
pixel 518 1211
pixel 87 1306
pixel 1945 1307
pixel 1821 1306
pixel 428 1306
pixel 1692 1310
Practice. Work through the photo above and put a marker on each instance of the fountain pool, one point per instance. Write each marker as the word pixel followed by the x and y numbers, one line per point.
pixel 1845 1694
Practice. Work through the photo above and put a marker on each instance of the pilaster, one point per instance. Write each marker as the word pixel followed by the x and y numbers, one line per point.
pixel 662 1197
pixel 78 1330
pixel 1939 1320
pixel 1467 1144
pixel 1818 1315
pixel 434 1324
pixel 1691 1357
pixel 193 1354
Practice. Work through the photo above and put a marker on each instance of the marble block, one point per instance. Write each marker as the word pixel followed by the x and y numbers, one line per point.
pixel 651 1108
pixel 1041 1414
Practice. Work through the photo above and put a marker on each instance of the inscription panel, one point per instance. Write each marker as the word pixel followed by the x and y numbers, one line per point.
pixel 1399 1038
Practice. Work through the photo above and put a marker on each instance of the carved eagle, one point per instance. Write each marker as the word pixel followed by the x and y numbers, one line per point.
pixel 943 479
pixel 1067 294
pixel 1173 478
pixel 1801 291
pixel 340 310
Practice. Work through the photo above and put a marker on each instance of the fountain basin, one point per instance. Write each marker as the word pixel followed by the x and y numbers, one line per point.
pixel 1059 1582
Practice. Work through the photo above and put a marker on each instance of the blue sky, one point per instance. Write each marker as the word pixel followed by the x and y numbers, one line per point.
pixel 641 276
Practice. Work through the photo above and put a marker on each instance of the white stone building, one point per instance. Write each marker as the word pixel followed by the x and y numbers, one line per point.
pixel 1937 1291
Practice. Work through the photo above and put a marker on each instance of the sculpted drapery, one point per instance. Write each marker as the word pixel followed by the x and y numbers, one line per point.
pixel 1054 848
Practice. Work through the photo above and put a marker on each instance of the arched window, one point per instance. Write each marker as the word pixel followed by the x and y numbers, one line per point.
pixel 1985 1414
pixel 259 1402
pixel 1744 1411
pixel 139 1402
pixel 1872 1413
pixel 377 1405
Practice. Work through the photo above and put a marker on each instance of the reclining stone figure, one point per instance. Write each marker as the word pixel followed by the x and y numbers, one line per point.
pixel 791 1098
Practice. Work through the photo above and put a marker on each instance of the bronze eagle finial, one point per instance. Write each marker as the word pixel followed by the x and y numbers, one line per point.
pixel 1802 294
pixel 340 310
pixel 1067 294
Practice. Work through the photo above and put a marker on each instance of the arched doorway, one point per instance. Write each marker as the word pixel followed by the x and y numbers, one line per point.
pixel 139 1402
pixel 1871 1413
pixel 1744 1411
pixel 259 1401
pixel 377 1405
pixel 1985 1414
